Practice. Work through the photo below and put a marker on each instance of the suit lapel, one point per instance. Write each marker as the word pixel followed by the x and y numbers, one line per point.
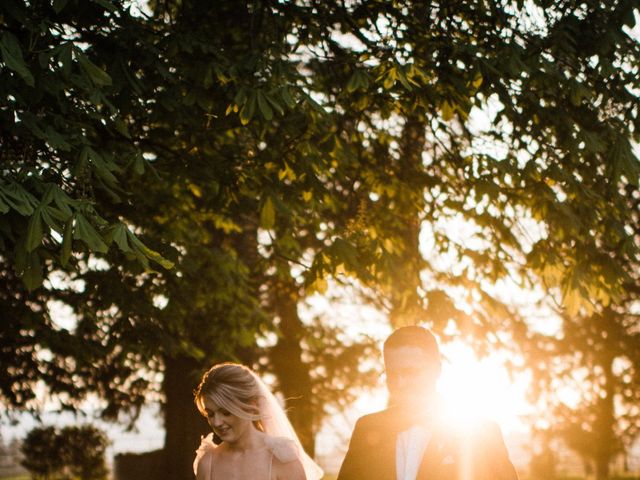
pixel 439 460
pixel 392 427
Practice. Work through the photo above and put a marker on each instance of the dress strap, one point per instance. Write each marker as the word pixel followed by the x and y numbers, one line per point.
pixel 270 465
pixel 211 467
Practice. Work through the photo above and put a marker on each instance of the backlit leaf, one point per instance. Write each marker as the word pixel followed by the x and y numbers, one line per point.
pixel 267 214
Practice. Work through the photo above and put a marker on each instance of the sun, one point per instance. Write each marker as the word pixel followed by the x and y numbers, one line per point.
pixel 475 389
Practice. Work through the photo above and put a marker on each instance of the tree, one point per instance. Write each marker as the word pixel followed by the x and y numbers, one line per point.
pixel 72 452
pixel 63 134
pixel 66 146
pixel 84 452
pixel 543 464
pixel 595 356
pixel 42 452
pixel 325 137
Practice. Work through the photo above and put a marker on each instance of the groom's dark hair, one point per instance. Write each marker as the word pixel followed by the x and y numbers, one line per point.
pixel 413 336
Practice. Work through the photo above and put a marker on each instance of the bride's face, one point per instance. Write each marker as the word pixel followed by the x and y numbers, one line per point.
pixel 229 427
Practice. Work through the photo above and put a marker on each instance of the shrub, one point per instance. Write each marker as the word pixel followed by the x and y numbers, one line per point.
pixel 70 453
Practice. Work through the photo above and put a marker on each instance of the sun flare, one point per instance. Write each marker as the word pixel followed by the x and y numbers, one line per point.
pixel 481 389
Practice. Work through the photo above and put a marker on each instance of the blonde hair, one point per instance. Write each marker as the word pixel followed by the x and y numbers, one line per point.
pixel 231 386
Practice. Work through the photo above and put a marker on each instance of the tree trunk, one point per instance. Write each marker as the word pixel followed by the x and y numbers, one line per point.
pixel 292 373
pixel 406 303
pixel 605 422
pixel 183 424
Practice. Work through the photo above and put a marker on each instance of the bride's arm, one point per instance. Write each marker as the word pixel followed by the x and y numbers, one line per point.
pixel 204 458
pixel 289 471
pixel 203 467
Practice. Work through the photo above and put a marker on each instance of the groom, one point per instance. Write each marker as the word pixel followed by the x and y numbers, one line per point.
pixel 410 440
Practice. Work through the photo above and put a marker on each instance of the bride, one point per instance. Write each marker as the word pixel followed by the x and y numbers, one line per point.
pixel 252 438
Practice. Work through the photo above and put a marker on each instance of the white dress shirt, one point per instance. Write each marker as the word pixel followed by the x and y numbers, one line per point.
pixel 410 447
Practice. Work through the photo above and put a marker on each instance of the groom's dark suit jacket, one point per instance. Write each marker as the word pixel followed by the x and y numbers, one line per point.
pixel 475 452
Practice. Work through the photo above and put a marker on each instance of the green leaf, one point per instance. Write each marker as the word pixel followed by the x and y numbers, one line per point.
pixel 14 10
pixel 96 74
pixel 84 231
pixel 403 80
pixel 54 218
pixel 248 109
pixel 18 198
pixel 315 105
pixel 578 93
pixel 287 98
pixel 287 172
pixel 477 81
pixel 354 82
pixel 62 201
pixel 276 106
pixel 328 144
pixel 12 57
pixel 55 140
pixel 390 78
pixel 32 274
pixel 20 258
pixel 319 285
pixel 4 207
pixel 121 127
pixel 264 107
pixel 267 214
pixel 119 235
pixel 65 57
pixel 31 122
pixel 241 96
pixel 81 168
pixel 141 248
pixel 447 110
pixel 34 231
pixel 593 141
pixel 207 81
pixel 106 5
pixel 346 252
pixel 67 241
pixel 629 18
pixel 128 243
pixel 58 5
pixel 101 166
pixel 139 163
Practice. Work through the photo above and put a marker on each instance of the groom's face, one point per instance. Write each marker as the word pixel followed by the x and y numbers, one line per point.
pixel 412 373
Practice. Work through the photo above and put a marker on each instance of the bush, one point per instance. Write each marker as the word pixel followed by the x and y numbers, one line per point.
pixel 42 453
pixel 70 453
